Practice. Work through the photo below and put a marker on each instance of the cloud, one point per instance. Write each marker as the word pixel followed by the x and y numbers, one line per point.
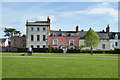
pixel 101 9
pixel 43 18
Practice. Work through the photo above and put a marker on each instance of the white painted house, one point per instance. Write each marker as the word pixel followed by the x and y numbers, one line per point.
pixel 115 42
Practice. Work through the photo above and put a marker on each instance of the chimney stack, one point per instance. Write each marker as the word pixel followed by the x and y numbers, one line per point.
pixel 82 30
pixel 59 29
pixel 48 22
pixel 108 29
pixel 76 29
pixel 19 34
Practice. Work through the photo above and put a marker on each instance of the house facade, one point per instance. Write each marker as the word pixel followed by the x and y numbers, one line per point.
pixel 37 33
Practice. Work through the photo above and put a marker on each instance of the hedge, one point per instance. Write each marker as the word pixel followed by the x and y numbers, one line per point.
pixel 57 50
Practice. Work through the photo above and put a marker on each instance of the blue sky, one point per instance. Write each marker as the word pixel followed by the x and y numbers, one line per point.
pixel 63 15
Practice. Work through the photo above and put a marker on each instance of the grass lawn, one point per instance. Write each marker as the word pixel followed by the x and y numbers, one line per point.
pixel 77 66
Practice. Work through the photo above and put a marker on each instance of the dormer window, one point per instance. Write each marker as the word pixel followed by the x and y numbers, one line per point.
pixel 72 34
pixel 116 36
pixel 63 34
pixel 54 34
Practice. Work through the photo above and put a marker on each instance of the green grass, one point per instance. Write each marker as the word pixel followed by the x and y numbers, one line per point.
pixel 60 68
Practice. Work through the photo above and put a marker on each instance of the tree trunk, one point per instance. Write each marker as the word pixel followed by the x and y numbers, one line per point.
pixel 91 51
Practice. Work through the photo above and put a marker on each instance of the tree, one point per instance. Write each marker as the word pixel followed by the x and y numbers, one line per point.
pixel 50 48
pixel 9 31
pixel 92 39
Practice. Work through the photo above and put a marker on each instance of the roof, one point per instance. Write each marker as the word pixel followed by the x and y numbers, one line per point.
pixel 112 35
pixel 38 23
pixel 2 40
pixel 81 34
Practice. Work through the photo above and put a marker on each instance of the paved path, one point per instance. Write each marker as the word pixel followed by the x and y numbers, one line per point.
pixel 58 57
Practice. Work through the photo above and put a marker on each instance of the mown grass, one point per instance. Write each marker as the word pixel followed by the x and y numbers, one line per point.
pixel 60 68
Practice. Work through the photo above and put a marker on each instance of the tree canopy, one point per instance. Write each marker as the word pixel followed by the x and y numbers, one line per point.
pixel 9 31
pixel 91 38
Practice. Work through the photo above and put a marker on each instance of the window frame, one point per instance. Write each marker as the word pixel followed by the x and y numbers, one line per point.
pixel 53 43
pixel 70 42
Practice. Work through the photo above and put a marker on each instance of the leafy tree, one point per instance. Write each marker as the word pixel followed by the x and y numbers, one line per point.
pixel 92 39
pixel 77 47
pixel 9 31
pixel 81 46
pixel 50 48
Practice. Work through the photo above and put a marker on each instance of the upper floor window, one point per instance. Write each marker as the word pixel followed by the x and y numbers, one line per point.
pixel 32 37
pixel 44 29
pixel 38 37
pixel 38 29
pixel 55 42
pixel 44 37
pixel 32 29
pixel 71 42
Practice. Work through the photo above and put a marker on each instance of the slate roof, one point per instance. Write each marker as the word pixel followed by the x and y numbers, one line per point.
pixel 81 34
pixel 38 23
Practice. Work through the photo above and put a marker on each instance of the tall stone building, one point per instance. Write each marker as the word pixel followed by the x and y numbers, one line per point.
pixel 37 33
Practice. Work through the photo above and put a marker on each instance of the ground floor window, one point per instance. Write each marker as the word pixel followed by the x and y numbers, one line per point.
pixel 32 46
pixel 103 46
pixel 43 46
pixel 38 46
pixel 116 44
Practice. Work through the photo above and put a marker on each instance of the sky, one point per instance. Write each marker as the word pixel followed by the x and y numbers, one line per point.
pixel 64 15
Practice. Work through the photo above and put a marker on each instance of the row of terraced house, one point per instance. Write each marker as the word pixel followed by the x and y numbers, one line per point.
pixel 39 35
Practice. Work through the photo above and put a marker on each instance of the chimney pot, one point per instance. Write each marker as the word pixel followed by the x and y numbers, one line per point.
pixel 76 29
pixel 59 29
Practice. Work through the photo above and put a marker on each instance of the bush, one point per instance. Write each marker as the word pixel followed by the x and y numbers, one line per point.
pixel 40 50
pixel 117 50
pixel 57 50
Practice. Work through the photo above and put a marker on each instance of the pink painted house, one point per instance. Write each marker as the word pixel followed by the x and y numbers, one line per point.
pixel 61 39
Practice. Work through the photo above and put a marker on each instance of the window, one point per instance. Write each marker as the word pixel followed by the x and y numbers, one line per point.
pixel 71 47
pixel 63 34
pixel 31 28
pixel 72 34
pixel 38 29
pixel 44 29
pixel 32 38
pixel 116 44
pixel 103 46
pixel 43 37
pixel 43 46
pixel 23 45
pixel 38 37
pixel 38 46
pixel 32 46
pixel 55 42
pixel 71 42
pixel 54 34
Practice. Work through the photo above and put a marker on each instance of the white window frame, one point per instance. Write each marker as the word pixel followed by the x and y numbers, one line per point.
pixel 70 41
pixel 54 42
pixel 31 29
pixel 37 29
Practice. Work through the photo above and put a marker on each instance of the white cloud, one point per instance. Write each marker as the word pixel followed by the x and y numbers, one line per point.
pixel 43 18
pixel 101 9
